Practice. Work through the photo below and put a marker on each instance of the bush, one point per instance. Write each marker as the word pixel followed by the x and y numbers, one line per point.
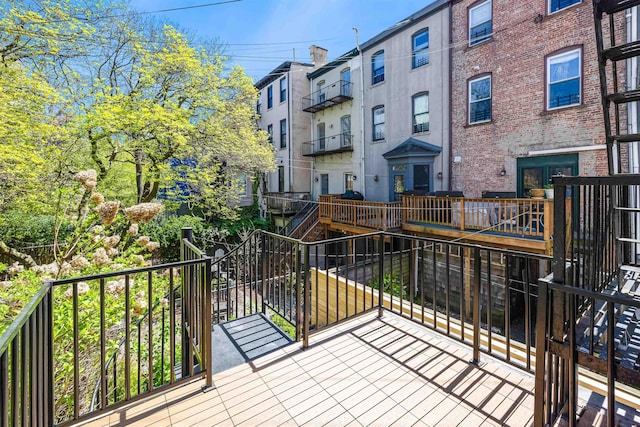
pixel 19 229
pixel 167 232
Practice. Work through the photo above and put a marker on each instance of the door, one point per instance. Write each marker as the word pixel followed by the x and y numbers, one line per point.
pixel 421 178
pixel 345 77
pixel 324 183
pixel 536 172
pixel 345 127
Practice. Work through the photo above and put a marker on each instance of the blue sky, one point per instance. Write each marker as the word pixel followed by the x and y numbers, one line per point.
pixel 261 34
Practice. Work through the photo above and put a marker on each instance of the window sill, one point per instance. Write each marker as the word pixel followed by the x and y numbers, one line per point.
pixel 559 109
pixel 377 141
pixel 472 125
pixel 426 132
pixel 378 84
pixel 482 43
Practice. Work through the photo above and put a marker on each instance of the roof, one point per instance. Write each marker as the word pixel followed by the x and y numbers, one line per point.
pixel 413 147
pixel 277 72
pixel 422 13
pixel 333 64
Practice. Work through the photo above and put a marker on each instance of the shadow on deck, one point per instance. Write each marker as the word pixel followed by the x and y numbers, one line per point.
pixel 243 340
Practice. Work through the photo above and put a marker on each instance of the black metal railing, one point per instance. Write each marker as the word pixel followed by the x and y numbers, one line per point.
pixel 480 296
pixel 134 333
pixel 589 306
pixel 328 96
pixel 328 145
pixel 560 101
pixel 26 368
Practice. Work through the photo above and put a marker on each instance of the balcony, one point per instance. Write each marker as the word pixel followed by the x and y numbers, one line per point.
pixel 385 326
pixel 328 145
pixel 328 96
pixel 286 203
pixel 525 224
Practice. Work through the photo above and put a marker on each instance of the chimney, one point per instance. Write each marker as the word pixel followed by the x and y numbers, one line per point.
pixel 318 55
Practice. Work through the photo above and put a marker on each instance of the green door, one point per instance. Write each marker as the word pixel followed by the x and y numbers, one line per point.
pixel 536 172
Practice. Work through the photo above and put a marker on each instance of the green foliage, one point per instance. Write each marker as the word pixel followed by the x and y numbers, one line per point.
pixel 167 231
pixel 18 228
pixel 283 324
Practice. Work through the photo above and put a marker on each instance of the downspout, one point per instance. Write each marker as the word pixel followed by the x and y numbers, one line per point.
pixel 311 132
pixel 362 142
pixel 289 117
pixel 449 98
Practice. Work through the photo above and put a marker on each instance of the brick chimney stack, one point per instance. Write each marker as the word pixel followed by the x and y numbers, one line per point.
pixel 318 56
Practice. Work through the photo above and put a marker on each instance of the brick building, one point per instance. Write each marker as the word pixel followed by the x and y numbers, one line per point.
pixel 525 94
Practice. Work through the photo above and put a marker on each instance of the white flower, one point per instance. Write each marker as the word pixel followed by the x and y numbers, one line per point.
pixel 152 246
pixel 133 229
pixel 164 303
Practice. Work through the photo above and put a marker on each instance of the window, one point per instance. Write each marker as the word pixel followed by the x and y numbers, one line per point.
pixel 270 132
pixel 377 67
pixel 283 89
pixel 345 78
pixel 420 113
pixel 322 93
pixel 259 104
pixel 564 79
pixel 480 23
pixel 345 127
pixel 480 100
pixel 324 183
pixel 378 123
pixel 281 179
pixel 348 181
pixel 420 47
pixel 321 137
pixel 269 97
pixel 283 133
pixel 556 5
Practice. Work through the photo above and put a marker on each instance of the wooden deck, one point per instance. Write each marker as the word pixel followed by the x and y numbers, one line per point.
pixel 519 223
pixel 368 371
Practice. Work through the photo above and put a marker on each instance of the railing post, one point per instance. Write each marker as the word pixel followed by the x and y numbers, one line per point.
pixel 186 234
pixel 380 274
pixel 541 355
pixel 265 262
pixel 207 354
pixel 300 318
pixel 307 298
pixel 477 275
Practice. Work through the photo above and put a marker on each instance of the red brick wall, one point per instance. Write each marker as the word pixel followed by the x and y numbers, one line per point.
pixel 520 123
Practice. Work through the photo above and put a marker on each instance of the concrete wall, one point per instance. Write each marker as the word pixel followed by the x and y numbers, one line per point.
pixel 296 168
pixel 337 164
pixel 400 83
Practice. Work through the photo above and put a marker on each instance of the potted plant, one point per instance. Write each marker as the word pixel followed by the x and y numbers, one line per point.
pixel 537 193
pixel 548 191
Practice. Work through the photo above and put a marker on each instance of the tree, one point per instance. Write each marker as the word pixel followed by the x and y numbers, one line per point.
pixel 102 88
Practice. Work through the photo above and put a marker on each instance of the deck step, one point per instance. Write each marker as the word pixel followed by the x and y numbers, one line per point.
pixel 629 137
pixel 628 240
pixel 622 51
pixel 613 6
pixel 633 268
pixel 622 97
pixel 626 209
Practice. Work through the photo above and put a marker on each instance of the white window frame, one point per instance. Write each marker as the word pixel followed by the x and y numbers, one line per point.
pixel 419 51
pixel 378 54
pixel 348 181
pixel 416 128
pixel 283 90
pixel 373 121
pixel 478 40
pixel 548 82
pixel 490 98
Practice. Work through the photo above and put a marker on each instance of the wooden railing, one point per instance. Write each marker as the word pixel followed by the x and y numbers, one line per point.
pixel 532 218
pixel 362 214
pixel 522 217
